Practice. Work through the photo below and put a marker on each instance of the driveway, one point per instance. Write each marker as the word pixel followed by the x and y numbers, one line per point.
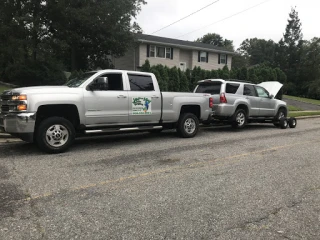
pixel 259 183
pixel 302 105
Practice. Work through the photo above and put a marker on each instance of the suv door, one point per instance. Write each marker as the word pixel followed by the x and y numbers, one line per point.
pixel 252 97
pixel 144 101
pixel 105 100
pixel 267 105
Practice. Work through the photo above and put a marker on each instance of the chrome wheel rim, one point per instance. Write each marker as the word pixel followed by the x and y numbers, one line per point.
pixel 57 135
pixel 281 115
pixel 240 119
pixel 190 125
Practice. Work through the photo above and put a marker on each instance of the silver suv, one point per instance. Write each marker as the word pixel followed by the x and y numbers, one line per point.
pixel 239 103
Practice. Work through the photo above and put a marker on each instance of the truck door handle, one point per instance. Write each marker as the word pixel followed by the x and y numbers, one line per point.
pixel 155 96
pixel 122 96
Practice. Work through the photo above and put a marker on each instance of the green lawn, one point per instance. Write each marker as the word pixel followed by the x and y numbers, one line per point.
pixel 293 108
pixel 304 113
pixel 3 88
pixel 300 99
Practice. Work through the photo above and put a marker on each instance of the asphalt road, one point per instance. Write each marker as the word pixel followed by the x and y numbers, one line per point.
pixel 259 183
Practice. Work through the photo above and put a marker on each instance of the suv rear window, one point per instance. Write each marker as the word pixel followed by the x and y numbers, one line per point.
pixel 232 88
pixel 210 88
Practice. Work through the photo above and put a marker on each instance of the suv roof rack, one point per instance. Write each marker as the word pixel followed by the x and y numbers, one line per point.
pixel 237 80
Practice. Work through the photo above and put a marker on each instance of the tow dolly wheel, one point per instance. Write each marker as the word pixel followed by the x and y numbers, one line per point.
pixel 283 123
pixel 292 122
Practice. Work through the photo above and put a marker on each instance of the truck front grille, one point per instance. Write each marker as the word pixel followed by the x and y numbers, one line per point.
pixel 5 108
pixel 6 97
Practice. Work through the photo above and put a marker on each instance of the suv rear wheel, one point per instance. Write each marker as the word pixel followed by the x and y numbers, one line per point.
pixel 239 119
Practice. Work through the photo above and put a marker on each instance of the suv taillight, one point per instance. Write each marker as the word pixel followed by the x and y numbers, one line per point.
pixel 223 98
pixel 211 102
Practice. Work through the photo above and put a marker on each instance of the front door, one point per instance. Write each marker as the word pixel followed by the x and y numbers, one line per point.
pixel 267 105
pixel 144 100
pixel 105 100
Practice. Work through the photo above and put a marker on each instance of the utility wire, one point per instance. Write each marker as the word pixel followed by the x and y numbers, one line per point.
pixel 225 18
pixel 186 17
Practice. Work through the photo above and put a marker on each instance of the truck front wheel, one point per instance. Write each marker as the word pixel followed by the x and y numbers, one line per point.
pixel 188 125
pixel 55 135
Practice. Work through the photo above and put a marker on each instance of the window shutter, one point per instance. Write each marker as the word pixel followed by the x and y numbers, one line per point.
pixel 207 57
pixel 171 53
pixel 226 59
pixel 198 56
pixel 148 50
pixel 219 55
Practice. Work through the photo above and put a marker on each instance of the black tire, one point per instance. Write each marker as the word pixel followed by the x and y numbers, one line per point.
pixel 292 122
pixel 62 132
pixel 283 123
pixel 282 113
pixel 239 119
pixel 188 125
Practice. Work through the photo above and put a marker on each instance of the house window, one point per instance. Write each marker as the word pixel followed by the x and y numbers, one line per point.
pixel 223 58
pixel 161 52
pixel 203 57
pixel 168 53
pixel 152 51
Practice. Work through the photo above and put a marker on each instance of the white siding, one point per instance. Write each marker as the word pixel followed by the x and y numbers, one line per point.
pixel 154 61
pixel 186 56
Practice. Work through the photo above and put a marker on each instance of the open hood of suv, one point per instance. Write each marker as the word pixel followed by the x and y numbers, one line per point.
pixel 272 87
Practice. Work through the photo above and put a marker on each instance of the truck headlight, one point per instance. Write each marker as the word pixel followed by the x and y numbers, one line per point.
pixel 19 98
pixel 22 107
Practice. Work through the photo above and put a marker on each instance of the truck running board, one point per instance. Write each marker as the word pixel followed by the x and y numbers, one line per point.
pixel 110 130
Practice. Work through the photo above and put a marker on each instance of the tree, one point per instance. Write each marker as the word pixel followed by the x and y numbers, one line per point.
pixel 174 81
pixel 146 66
pixel 257 51
pixel 216 40
pixel 184 84
pixel 289 53
pixel 45 37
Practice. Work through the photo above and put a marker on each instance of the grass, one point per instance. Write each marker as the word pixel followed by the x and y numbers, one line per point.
pixel 305 100
pixel 294 108
pixel 3 88
pixel 304 113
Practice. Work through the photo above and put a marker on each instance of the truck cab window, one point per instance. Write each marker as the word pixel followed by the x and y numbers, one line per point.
pixel 140 83
pixel 107 82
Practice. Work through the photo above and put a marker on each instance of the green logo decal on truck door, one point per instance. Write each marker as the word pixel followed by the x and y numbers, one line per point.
pixel 141 106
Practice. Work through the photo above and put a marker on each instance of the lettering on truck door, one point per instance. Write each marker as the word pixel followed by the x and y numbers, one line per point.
pixel 144 99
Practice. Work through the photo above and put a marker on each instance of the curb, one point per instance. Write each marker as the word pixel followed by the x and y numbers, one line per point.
pixel 308 117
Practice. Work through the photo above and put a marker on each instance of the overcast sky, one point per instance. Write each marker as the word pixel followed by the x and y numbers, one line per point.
pixel 266 21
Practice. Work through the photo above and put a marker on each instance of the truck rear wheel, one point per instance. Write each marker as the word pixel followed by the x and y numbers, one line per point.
pixel 188 125
pixel 55 135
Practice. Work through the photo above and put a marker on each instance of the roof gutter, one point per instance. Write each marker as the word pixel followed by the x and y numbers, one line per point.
pixel 187 47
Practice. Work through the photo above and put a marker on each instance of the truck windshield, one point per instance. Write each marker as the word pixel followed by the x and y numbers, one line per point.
pixel 76 82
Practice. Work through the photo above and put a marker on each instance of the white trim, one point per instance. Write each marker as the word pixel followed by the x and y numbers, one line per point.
pixel 188 47
pixel 225 59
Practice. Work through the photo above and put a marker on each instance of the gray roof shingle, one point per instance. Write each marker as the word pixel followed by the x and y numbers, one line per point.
pixel 188 44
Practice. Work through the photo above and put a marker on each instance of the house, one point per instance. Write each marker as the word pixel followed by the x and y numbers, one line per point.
pixel 173 52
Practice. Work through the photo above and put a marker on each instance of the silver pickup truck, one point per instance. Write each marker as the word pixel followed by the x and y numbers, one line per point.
pixel 99 102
